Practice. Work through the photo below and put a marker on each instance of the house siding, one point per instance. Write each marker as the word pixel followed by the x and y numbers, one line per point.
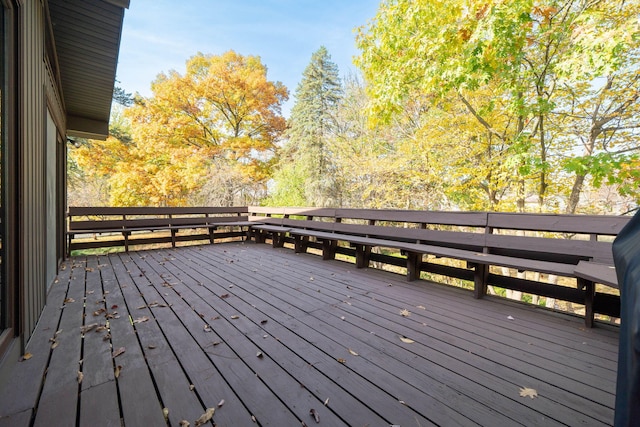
pixel 39 95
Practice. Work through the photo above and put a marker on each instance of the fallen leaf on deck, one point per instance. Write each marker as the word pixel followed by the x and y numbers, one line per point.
pixel 402 402
pixel 528 392
pixel 311 279
pixel 184 423
pixel 165 413
pixel 141 307
pixel 26 356
pixel 341 360
pixel 87 328
pixel 118 352
pixel 80 377
pixel 510 318
pixel 191 387
pixel 114 306
pixel 421 307
pixel 99 312
pixel 68 300
pixel 106 337
pixel 151 346
pixel 259 355
pixel 353 353
pixel 326 402
pixel 101 328
pixel 89 269
pixel 224 296
pixel 262 322
pixel 54 345
pixel 221 403
pixel 405 313
pixel 141 319
pixel 342 317
pixel 406 340
pixel 207 328
pixel 315 415
pixel 235 316
pixel 117 371
pixel 253 418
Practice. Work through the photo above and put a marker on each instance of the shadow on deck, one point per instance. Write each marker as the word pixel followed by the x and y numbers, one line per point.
pixel 274 335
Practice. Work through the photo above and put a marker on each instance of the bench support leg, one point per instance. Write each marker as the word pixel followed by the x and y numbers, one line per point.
pixel 414 262
pixel 329 249
pixel 480 276
pixel 589 297
pixel 363 253
pixel 301 243
pixel 277 239
pixel 211 235
pixel 126 241
pixel 173 238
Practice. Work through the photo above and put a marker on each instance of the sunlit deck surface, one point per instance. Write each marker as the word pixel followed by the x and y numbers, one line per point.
pixel 276 334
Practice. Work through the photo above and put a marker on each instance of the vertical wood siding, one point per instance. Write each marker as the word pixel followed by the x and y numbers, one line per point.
pixel 37 92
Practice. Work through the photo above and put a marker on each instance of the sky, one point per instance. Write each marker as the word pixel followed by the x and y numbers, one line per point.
pixel 160 35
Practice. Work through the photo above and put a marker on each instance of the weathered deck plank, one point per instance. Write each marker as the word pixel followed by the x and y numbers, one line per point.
pixel 275 334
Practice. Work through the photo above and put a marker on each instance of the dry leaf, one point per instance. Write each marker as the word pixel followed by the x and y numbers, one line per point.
pixel 421 307
pixel 118 352
pixel 87 328
pixel 54 345
pixel 259 355
pixel 141 319
pixel 341 360
pixel 68 300
pixel 80 377
pixel 402 402
pixel 262 322
pixel 315 415
pixel 528 392
pixel 341 317
pixel 221 403
pixel 207 328
pixel 206 417
pixel 192 387
pixel 406 340
pixel 353 353
pixel 253 418
pixel 141 307
pixel 99 312
pixel 326 402
pixel 151 346
pixel 311 279
pixel 184 423
pixel 510 318
pixel 224 296
pixel 26 356
pixel 165 412
pixel 235 316
pixel 405 313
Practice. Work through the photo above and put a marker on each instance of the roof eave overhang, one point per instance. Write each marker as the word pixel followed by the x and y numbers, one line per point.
pixel 87 36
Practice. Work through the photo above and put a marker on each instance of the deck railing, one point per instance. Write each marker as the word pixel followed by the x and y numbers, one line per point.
pixel 566 258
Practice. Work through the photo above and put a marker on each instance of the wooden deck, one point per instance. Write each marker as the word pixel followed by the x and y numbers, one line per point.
pixel 275 334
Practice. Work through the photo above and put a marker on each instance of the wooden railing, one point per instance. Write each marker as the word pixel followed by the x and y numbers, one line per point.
pixel 483 248
pixel 134 226
pixel 554 256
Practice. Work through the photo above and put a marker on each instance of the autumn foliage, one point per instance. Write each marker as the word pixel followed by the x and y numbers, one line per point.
pixel 221 117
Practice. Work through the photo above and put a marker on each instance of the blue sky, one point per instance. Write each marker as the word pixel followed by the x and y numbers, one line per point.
pixel 160 35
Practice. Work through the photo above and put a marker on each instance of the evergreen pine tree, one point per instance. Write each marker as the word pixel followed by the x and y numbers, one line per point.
pixel 307 162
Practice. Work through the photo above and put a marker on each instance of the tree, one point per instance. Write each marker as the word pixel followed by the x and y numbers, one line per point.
pixel 222 117
pixel 524 57
pixel 307 160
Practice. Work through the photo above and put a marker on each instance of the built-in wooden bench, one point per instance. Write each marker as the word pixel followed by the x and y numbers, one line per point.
pixel 573 246
pixel 128 222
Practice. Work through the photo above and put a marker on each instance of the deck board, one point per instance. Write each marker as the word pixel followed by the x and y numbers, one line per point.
pixel 275 334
